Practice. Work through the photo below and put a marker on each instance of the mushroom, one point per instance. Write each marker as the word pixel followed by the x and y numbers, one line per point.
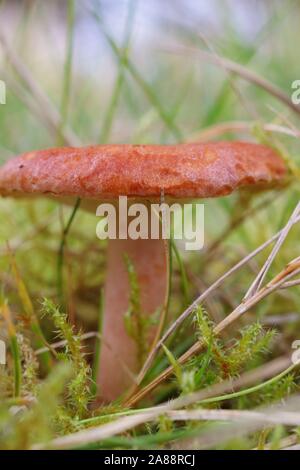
pixel 143 172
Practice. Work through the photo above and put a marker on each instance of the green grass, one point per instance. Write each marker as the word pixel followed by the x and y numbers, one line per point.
pixel 50 282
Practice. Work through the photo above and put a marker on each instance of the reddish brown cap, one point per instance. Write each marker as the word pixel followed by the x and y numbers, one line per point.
pixel 107 171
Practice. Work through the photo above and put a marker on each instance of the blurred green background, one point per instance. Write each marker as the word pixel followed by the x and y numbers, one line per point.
pixel 149 71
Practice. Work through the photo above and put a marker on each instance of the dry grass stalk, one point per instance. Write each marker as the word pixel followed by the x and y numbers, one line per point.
pixel 242 308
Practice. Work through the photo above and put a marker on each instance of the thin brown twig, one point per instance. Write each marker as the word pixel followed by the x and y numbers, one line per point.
pixel 292 269
pixel 129 422
pixel 216 130
pixel 236 221
pixel 289 284
pixel 288 418
pixel 189 311
pixel 248 105
pixel 240 70
pixel 62 343
pixel 215 435
pixel 255 286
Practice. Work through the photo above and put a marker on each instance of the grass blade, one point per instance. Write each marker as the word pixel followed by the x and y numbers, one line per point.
pixel 61 251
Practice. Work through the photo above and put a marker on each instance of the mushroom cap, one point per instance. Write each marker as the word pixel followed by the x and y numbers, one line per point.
pixel 197 170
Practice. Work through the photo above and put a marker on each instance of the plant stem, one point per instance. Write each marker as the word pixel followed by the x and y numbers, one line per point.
pixel 60 259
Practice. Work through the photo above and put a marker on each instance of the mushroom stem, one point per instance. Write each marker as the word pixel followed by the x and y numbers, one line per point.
pixel 120 361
